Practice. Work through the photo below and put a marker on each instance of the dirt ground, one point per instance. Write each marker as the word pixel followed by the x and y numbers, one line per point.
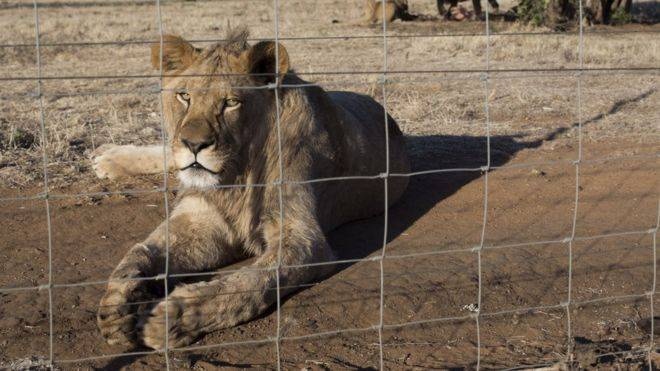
pixel 431 271
pixel 439 213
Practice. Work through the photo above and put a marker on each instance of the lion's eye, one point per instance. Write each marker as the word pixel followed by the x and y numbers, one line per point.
pixel 232 102
pixel 184 98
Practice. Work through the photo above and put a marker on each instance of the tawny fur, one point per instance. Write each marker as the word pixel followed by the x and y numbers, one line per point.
pixel 114 161
pixel 393 9
pixel 398 9
pixel 323 135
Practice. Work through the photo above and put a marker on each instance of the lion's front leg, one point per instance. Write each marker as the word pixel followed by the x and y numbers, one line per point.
pixel 114 161
pixel 196 309
pixel 116 315
pixel 199 240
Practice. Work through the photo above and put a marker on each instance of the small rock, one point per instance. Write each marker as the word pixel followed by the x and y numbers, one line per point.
pixel 537 172
pixel 203 365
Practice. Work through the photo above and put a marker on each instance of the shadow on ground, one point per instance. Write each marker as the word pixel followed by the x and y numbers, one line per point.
pixel 441 152
pixel 647 12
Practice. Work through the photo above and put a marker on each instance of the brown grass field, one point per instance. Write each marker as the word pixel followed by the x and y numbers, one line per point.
pixel 97 92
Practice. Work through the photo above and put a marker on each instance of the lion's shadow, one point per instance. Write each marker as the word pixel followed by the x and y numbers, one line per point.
pixel 362 238
pixel 458 159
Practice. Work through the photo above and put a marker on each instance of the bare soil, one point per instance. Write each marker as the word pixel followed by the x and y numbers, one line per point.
pixel 431 271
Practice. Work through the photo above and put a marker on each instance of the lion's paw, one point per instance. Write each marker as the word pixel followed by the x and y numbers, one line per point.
pixel 116 316
pixel 109 161
pixel 182 315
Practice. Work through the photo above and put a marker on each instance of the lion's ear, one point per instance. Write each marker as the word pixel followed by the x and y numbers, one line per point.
pixel 260 60
pixel 178 54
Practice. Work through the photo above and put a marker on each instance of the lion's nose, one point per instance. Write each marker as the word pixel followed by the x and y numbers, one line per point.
pixel 196 146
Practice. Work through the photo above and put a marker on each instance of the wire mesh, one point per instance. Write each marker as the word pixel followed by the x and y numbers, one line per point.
pixel 386 77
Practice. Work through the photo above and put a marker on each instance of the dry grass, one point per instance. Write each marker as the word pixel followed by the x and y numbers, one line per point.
pixel 125 110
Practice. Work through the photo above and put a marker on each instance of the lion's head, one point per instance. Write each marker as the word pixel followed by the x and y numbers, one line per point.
pixel 215 105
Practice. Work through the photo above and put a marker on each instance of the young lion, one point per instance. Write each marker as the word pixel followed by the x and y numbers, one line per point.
pixel 220 107
pixel 394 9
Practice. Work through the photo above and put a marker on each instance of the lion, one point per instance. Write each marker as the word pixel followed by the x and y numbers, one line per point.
pixel 220 107
pixel 398 9
pixel 450 12
pixel 394 9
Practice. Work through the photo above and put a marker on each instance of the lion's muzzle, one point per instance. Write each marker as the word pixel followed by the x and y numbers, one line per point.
pixel 196 147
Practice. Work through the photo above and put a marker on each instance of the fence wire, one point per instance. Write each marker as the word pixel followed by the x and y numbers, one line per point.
pixel 161 107
pixel 42 122
pixel 385 77
pixel 323 38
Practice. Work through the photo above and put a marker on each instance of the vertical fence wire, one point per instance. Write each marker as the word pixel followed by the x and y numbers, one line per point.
pixel 385 176
pixel 577 162
pixel 44 141
pixel 653 288
pixel 280 184
pixel 486 169
pixel 164 137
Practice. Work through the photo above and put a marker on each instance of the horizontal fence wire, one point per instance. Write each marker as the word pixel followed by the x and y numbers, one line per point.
pixel 434 77
pixel 375 258
pixel 329 38
pixel 375 328
pixel 335 73
pixel 386 76
pixel 139 192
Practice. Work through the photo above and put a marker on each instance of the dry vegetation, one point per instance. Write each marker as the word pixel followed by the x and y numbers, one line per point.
pixel 124 110
pixel 442 106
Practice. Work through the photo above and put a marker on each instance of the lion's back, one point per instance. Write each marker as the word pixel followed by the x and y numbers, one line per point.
pixel 364 141
pixel 364 127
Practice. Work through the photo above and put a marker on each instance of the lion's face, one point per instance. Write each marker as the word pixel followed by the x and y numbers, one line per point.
pixel 213 121
pixel 208 123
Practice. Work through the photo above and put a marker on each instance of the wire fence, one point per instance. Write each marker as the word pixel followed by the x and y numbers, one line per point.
pixel 386 77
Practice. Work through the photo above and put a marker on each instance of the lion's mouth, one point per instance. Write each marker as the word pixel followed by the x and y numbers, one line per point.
pixel 196 166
